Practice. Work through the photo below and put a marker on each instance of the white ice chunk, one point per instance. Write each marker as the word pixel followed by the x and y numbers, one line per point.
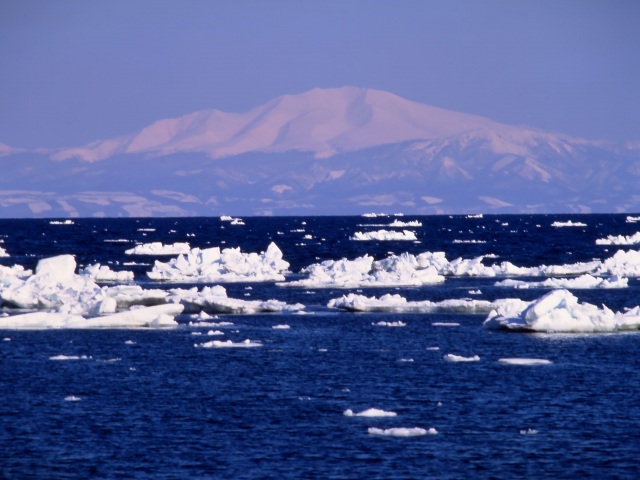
pixel 161 316
pixel 559 311
pixel 524 361
pixel 371 412
pixel 229 344
pixel 3 252
pixel 585 281
pixel 228 265
pixel 403 270
pixel 402 431
pixel 157 248
pixel 215 300
pixel 394 303
pixel 384 235
pixel 410 224
pixel 451 358
pixel 620 240
pixel 568 223
pixel 103 273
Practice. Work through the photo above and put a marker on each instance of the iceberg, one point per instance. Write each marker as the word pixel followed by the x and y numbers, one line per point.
pixel 157 248
pixel 384 235
pixel 215 300
pixel 229 265
pixel 559 312
pixel 620 240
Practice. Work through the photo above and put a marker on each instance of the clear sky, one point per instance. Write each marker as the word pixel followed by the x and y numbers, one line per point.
pixel 74 71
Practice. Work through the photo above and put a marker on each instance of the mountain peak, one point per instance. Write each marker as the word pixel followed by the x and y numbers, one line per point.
pixel 321 121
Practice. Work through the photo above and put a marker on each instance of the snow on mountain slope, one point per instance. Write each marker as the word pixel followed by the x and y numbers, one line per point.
pixel 324 122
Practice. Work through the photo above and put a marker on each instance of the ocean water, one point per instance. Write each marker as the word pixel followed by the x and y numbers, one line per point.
pixel 149 404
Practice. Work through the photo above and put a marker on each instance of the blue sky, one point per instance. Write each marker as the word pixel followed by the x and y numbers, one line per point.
pixel 77 71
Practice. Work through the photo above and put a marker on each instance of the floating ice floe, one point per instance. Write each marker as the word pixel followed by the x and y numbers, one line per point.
pixel 103 273
pixel 281 327
pixel 384 235
pixel 568 223
pixel 371 413
pixel 64 298
pixel 631 219
pixel 410 224
pixel 524 361
pixel 3 252
pixel 228 265
pixel 231 220
pixel 622 263
pixel 585 281
pixel 402 431
pixel 229 344
pixel 559 312
pixel 72 398
pixel 69 357
pixel 620 240
pixel 390 324
pixel 215 300
pixel 394 303
pixel 61 222
pixel 402 270
pixel 157 248
pixel 451 358
pixel 161 316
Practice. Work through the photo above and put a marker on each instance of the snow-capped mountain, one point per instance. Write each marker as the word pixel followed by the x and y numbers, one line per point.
pixel 335 151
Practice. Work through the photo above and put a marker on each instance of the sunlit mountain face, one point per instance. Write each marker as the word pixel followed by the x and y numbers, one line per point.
pixel 327 151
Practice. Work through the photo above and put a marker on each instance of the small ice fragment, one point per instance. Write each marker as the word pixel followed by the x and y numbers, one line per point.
pixel 129 342
pixel 391 324
pixel 72 398
pixel 524 361
pixel 450 357
pixel 371 412
pixel 445 324
pixel 402 431
pixel 281 327
pixel 528 431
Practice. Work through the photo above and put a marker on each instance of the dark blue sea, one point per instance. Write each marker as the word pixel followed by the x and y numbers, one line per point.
pixel 150 405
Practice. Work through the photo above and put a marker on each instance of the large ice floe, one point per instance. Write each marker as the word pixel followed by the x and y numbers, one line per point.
pixel 620 240
pixel 384 235
pixel 65 300
pixel 157 248
pixel 228 265
pixel 559 312
pixel 396 270
pixel 215 300
pixel 397 304
pixel 585 281
pixel 432 267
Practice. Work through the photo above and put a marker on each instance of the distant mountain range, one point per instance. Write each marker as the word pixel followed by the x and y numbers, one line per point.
pixel 333 151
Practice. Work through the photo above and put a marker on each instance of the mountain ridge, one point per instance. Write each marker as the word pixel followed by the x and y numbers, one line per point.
pixel 326 151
